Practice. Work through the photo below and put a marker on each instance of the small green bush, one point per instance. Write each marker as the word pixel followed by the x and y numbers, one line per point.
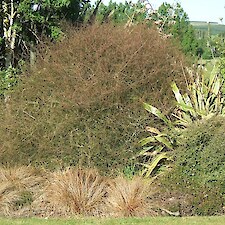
pixel 199 169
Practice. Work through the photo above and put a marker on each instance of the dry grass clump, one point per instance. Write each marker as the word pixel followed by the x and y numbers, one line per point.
pixel 128 197
pixel 19 186
pixel 82 104
pixel 25 192
pixel 76 191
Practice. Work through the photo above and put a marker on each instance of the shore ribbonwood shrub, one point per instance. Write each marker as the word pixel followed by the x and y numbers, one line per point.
pixel 199 168
pixel 82 102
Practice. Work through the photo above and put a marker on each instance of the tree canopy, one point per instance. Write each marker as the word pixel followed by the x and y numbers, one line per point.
pixel 22 23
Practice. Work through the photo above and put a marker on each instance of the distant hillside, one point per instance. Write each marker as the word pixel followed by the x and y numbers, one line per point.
pixel 203 28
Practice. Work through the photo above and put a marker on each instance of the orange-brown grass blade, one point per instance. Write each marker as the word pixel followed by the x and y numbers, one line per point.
pixel 76 191
pixel 127 197
pixel 19 186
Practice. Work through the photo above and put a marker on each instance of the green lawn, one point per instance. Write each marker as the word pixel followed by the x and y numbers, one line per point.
pixel 130 221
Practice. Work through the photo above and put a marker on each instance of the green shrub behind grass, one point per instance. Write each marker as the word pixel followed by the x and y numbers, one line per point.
pixel 199 169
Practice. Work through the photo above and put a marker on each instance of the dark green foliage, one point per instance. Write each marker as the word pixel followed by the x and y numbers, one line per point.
pixel 82 104
pixel 200 165
pixel 202 156
pixel 189 42
pixel 8 80
pixel 26 22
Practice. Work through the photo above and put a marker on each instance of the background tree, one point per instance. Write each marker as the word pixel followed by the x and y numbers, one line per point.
pixel 120 13
pixel 173 21
pixel 23 22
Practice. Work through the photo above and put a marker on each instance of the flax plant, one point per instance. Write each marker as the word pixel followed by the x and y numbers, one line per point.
pixel 202 101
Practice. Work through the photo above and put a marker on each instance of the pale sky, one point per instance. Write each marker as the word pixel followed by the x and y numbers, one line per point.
pixel 200 10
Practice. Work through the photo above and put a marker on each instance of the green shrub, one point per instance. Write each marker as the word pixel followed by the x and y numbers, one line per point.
pixel 82 103
pixel 199 167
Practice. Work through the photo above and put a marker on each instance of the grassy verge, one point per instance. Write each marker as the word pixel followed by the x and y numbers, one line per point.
pixel 140 221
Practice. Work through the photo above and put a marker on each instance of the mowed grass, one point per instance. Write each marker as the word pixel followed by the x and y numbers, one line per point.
pixel 217 220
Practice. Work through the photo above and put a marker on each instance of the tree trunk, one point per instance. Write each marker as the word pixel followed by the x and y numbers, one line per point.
pixel 32 49
pixel 2 63
pixel 32 56
pixel 9 33
pixel 92 18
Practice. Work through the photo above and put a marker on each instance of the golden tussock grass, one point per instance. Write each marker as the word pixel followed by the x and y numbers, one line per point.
pixel 25 192
pixel 19 186
pixel 76 191
pixel 128 197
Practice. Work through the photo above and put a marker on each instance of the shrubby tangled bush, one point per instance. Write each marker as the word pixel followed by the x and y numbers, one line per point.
pixel 81 105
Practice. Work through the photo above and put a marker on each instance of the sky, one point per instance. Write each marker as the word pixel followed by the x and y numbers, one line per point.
pixel 197 10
